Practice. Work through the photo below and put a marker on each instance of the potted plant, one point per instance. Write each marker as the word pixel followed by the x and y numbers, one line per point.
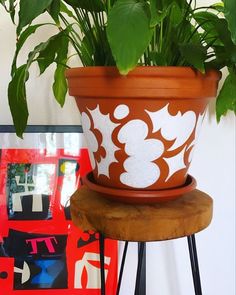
pixel 149 70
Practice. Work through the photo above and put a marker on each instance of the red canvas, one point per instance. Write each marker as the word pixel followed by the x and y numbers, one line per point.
pixel 41 251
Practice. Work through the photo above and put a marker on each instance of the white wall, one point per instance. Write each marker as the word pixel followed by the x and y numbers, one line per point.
pixel 213 167
pixel 43 108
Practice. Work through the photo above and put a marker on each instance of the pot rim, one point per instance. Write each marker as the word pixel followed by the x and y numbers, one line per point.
pixel 144 71
pixel 142 82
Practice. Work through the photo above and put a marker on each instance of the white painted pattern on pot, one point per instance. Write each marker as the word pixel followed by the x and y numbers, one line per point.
pixel 197 132
pixel 104 124
pixel 140 169
pixel 121 111
pixel 175 163
pixel 178 127
pixel 90 137
pixel 141 152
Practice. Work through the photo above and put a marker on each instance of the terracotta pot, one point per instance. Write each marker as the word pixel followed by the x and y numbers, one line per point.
pixel 141 128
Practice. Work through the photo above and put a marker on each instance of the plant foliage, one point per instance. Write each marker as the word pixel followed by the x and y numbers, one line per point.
pixel 123 33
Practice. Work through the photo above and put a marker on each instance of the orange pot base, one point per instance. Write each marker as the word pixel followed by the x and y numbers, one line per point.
pixel 140 196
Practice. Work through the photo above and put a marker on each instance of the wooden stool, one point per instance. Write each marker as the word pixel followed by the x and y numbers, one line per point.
pixel 143 223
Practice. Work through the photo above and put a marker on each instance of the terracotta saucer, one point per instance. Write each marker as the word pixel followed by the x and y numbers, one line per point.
pixel 140 196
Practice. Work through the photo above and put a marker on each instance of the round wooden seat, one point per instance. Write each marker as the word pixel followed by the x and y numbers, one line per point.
pixel 161 221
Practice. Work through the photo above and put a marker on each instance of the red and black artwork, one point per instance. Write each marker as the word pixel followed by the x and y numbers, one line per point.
pixel 41 251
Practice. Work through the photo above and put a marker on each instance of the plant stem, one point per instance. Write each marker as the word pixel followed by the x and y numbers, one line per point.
pixel 154 40
pixel 204 7
pixel 108 6
pixel 196 29
pixel 161 37
pixel 67 24
pixel 86 27
pixel 185 17
pixel 72 38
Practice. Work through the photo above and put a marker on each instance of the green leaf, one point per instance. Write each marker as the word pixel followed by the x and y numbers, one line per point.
pixel 218 28
pixel 215 26
pixel 64 9
pixel 158 59
pixel 224 33
pixel 154 13
pixel 183 4
pixel 176 15
pixel 87 51
pixel 17 92
pixel 129 33
pixel 226 99
pixel 12 9
pixel 47 56
pixel 3 2
pixel 230 15
pixel 225 37
pixel 17 99
pixel 173 12
pixel 207 21
pixel 17 89
pixel 56 50
pixel 221 59
pixel 90 5
pixel 218 6
pixel 54 10
pixel 195 55
pixel 60 84
pixel 52 51
pixel 21 41
pixel 33 54
pixel 29 10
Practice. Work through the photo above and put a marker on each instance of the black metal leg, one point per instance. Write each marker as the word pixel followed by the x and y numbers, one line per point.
pixel 140 286
pixel 122 267
pixel 102 266
pixel 194 264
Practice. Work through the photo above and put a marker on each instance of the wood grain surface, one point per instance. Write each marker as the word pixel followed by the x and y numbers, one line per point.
pixel 161 221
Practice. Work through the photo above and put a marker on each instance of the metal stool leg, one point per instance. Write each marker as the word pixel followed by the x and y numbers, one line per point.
pixel 194 264
pixel 140 286
pixel 102 266
pixel 122 267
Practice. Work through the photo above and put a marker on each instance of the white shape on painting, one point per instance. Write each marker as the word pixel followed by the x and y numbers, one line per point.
pixel 25 272
pixel 37 204
pixel 90 137
pixel 106 127
pixel 37 199
pixel 121 111
pixel 175 163
pixel 178 127
pixel 140 171
pixel 93 272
